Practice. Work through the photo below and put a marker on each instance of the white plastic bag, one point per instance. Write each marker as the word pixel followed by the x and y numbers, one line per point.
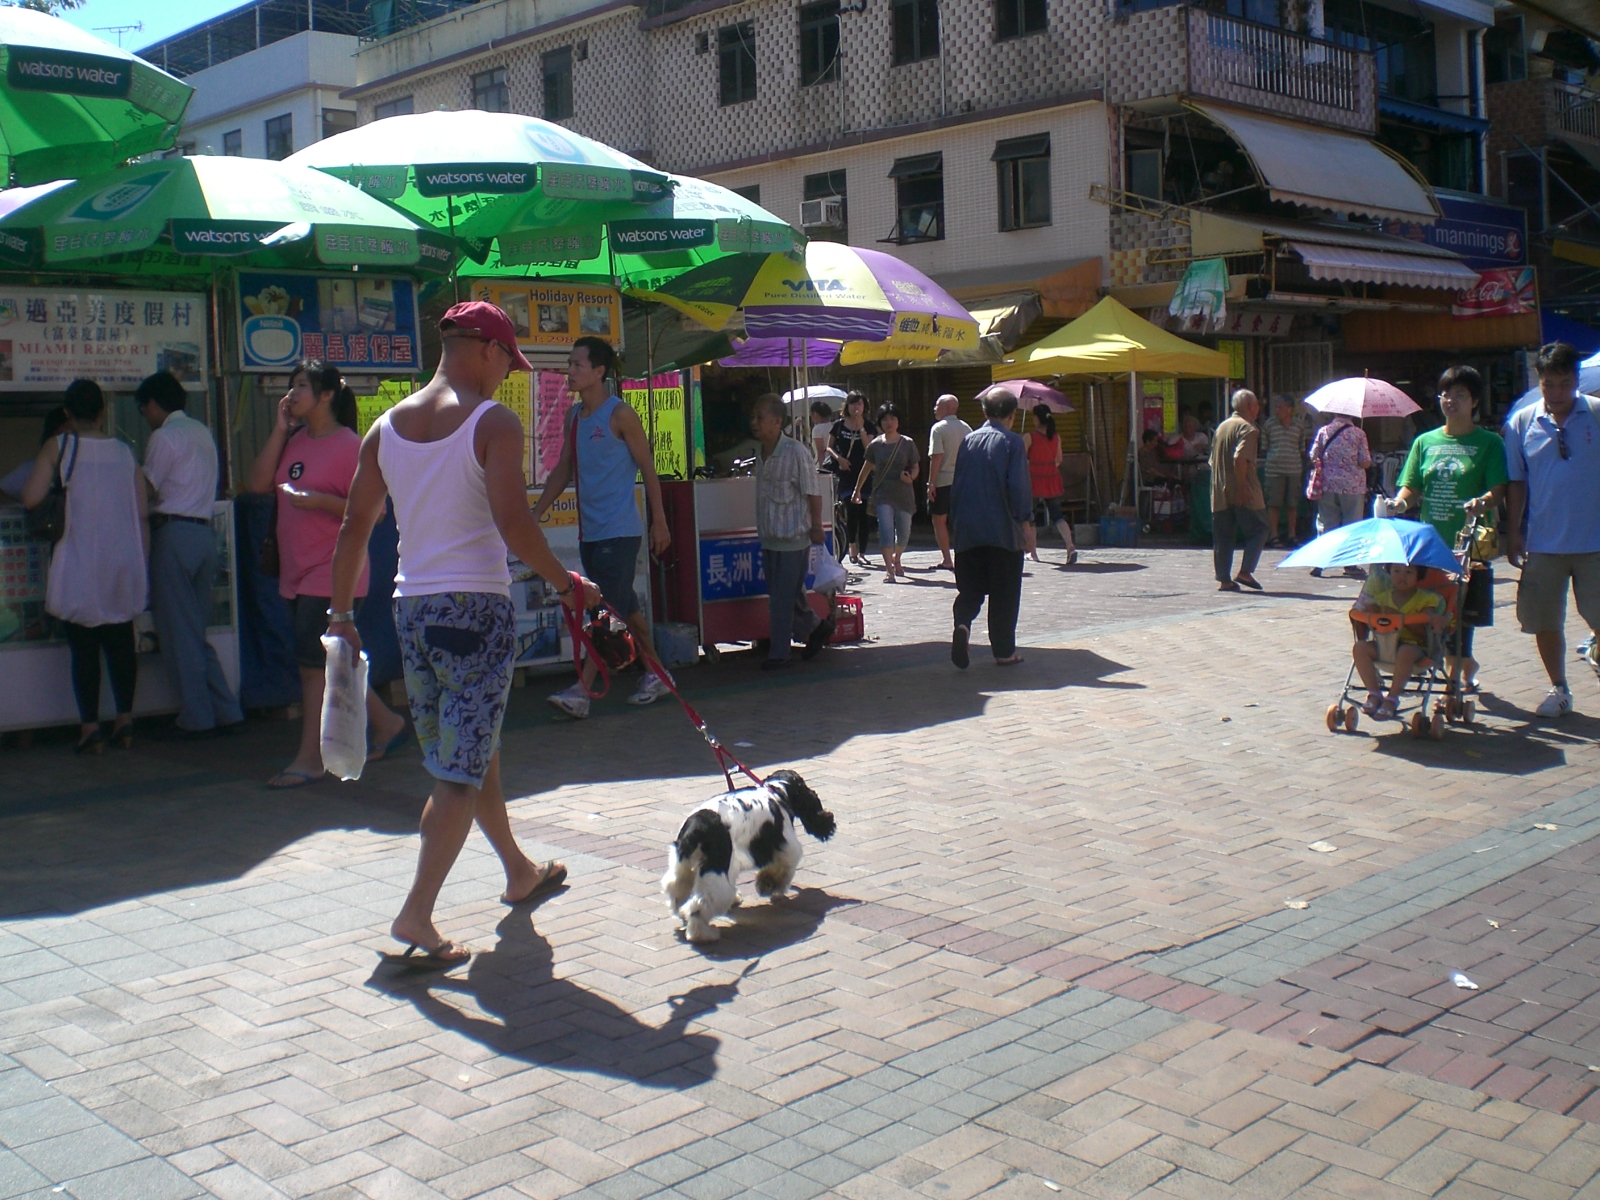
pixel 830 576
pixel 344 709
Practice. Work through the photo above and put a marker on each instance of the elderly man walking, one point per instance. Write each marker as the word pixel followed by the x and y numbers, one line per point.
pixel 991 499
pixel 789 520
pixel 1236 499
pixel 1553 459
pixel 944 444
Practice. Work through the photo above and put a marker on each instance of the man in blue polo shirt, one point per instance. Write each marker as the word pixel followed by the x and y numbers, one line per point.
pixel 1553 459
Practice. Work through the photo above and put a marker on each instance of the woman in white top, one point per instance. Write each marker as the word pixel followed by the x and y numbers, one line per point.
pixel 98 582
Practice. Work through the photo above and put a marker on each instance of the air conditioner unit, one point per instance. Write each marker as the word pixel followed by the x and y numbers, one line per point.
pixel 826 213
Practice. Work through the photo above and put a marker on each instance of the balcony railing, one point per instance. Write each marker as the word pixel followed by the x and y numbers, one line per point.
pixel 389 17
pixel 1577 111
pixel 1227 56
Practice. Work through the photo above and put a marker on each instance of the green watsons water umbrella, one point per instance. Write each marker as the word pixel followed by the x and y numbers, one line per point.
pixel 697 224
pixel 181 216
pixel 72 104
pixel 476 174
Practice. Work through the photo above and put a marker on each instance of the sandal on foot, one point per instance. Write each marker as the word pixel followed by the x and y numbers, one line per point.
pixel 1013 661
pixel 958 646
pixel 553 877
pixel 299 779
pixel 122 738
pixel 442 957
pixel 397 742
pixel 1389 710
pixel 93 744
pixel 1374 702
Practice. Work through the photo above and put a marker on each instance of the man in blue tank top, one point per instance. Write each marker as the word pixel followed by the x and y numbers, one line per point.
pixel 612 450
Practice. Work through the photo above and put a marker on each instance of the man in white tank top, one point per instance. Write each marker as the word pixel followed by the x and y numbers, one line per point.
pixel 452 460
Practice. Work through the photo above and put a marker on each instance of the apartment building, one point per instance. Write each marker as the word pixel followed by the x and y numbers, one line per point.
pixel 1037 151
pixel 267 76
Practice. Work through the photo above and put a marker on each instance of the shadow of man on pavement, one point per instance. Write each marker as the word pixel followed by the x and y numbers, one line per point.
pixel 538 1018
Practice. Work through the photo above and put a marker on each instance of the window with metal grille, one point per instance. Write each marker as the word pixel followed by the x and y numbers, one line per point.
pixel 280 136
pixel 820 187
pixel 1018 18
pixel 337 120
pixel 401 106
pixel 557 66
pixel 233 143
pixel 489 91
pixel 736 63
pixel 919 199
pixel 751 193
pixel 819 43
pixel 1022 167
pixel 916 30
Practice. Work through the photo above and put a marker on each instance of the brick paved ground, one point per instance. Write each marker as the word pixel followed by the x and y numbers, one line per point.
pixel 1048 952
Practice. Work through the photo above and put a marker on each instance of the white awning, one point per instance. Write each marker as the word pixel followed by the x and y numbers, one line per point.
pixel 1319 168
pixel 1383 266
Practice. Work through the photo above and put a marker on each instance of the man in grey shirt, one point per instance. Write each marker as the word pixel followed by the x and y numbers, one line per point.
pixel 789 520
pixel 944 444
pixel 991 497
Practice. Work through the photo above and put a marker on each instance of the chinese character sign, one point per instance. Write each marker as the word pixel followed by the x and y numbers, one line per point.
pixel 670 440
pixel 354 322
pixel 48 338
pixel 731 568
pixel 551 404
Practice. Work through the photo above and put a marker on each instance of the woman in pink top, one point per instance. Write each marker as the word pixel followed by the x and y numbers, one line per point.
pixel 310 459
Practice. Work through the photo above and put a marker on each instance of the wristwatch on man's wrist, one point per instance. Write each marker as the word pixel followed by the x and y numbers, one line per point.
pixel 348 617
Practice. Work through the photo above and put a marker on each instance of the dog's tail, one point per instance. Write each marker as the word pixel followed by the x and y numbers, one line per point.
pixel 805 804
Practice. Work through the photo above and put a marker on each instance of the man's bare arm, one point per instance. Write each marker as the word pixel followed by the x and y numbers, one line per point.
pixel 625 424
pixel 362 508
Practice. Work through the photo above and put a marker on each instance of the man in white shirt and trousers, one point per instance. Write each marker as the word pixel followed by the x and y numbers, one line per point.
pixel 180 461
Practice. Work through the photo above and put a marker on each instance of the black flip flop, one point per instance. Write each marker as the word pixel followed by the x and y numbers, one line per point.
pixel 1253 584
pixel 958 646
pixel 428 960
pixel 555 876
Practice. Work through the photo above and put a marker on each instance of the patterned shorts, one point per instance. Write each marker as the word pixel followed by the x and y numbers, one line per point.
pixel 457 649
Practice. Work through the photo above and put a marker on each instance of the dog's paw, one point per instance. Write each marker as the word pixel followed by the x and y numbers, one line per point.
pixel 737 900
pixel 700 931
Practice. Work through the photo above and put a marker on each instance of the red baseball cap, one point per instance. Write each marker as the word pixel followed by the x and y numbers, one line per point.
pixel 485 320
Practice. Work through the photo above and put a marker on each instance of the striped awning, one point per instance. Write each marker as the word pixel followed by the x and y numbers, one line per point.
pixel 1347 264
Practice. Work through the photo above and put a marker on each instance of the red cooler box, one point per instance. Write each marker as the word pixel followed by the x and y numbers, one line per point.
pixel 850 623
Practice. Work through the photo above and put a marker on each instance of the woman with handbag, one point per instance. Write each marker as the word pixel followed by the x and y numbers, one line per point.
pixel 87 495
pixel 1337 484
pixel 1459 472
pixel 891 466
pixel 847 450
pixel 310 459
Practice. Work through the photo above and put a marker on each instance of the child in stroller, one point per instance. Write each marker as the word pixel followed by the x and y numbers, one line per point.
pixel 1406 623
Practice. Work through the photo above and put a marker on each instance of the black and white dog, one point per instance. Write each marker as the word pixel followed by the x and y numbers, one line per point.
pixel 751 829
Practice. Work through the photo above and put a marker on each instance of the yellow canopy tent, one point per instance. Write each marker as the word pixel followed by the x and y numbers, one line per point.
pixel 1111 340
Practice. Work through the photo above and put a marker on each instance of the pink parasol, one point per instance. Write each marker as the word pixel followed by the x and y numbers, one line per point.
pixel 1362 397
pixel 1030 393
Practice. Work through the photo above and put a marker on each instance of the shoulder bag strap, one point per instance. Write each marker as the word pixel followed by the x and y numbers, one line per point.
pixel 72 463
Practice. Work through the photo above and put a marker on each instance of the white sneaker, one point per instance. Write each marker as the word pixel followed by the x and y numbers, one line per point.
pixel 651 689
pixel 1556 703
pixel 574 702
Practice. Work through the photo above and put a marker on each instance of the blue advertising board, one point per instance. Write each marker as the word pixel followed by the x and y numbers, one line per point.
pixel 731 568
pixel 355 322
pixel 1484 234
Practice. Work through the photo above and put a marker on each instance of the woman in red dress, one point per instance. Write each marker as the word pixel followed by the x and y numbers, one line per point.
pixel 1044 469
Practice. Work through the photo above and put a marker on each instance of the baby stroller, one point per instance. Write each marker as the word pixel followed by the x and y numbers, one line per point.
pixel 1431 696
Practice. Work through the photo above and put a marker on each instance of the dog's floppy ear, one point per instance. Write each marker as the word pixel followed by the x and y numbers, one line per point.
pixel 804 804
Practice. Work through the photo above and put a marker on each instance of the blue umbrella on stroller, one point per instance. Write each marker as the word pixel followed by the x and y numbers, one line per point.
pixel 1377 540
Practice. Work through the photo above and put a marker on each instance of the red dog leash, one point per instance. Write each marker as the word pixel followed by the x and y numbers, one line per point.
pixel 581 642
